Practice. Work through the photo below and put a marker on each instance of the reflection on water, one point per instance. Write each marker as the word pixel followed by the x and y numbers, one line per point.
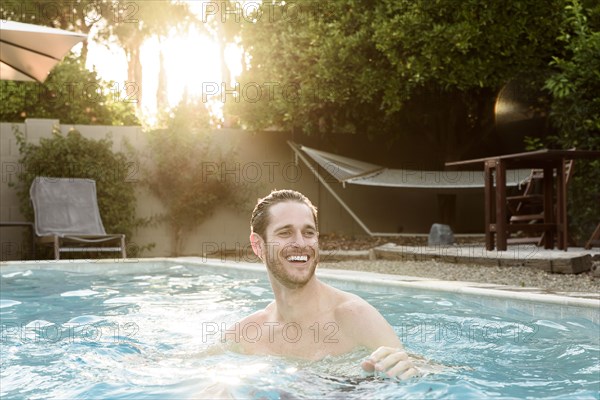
pixel 68 336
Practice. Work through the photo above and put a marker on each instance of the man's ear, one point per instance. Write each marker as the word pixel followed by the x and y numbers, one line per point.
pixel 257 244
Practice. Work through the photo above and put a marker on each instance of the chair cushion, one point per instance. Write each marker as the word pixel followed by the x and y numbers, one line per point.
pixel 65 206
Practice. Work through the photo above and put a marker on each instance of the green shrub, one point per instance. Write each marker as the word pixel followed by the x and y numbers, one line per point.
pixel 177 172
pixel 71 94
pixel 74 156
pixel 575 111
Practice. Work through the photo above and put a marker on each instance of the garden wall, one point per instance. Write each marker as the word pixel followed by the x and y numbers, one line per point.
pixel 265 162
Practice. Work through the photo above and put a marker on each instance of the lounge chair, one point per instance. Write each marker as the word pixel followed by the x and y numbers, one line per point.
pixel 67 217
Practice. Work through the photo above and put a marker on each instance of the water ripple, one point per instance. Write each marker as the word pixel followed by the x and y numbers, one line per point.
pixel 8 303
pixel 119 340
pixel 79 293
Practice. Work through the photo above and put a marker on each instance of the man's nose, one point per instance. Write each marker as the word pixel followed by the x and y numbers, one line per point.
pixel 298 240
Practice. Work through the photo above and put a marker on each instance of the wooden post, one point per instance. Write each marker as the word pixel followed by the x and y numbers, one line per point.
pixel 488 178
pixel 501 228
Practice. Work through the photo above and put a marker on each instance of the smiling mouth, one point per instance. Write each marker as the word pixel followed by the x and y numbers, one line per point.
pixel 297 259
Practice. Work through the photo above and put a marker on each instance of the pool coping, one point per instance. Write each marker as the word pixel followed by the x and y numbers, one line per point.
pixel 529 294
pixel 574 260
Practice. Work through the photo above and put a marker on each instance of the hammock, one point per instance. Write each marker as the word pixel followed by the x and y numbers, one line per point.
pixel 349 170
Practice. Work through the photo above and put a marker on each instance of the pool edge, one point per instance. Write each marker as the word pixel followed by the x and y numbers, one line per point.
pixel 469 288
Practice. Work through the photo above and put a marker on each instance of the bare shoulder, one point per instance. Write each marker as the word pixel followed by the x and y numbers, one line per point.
pixel 351 306
pixel 257 317
pixel 234 337
pixel 364 322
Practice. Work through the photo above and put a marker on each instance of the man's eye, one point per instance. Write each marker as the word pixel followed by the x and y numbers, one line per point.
pixel 284 233
pixel 309 233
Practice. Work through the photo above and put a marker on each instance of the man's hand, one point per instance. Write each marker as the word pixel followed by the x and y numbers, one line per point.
pixel 394 362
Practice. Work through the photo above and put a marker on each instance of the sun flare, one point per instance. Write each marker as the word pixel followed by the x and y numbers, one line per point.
pixel 192 64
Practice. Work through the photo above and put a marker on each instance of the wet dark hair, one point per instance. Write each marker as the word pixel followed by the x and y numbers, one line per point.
pixel 260 214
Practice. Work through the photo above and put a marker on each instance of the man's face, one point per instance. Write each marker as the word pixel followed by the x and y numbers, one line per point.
pixel 291 251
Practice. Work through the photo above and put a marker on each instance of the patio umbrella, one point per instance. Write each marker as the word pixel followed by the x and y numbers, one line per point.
pixel 28 52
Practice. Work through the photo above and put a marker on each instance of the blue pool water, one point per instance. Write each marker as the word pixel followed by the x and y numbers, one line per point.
pixel 145 334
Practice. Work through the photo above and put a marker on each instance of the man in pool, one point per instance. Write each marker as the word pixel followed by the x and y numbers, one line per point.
pixel 310 319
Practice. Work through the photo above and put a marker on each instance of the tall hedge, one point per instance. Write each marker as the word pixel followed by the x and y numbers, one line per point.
pixel 575 90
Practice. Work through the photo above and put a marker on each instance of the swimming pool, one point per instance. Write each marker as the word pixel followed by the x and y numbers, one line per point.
pixel 141 329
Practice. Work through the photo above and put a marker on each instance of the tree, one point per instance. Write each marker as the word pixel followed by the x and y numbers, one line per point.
pixel 223 21
pixel 427 67
pixel 575 89
pixel 135 25
pixel 575 81
pixel 181 171
pixel 71 93
pixel 128 24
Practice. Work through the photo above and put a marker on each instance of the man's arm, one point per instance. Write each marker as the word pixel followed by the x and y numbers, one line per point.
pixel 371 330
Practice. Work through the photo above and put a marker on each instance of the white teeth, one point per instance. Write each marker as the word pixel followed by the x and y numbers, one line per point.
pixel 298 258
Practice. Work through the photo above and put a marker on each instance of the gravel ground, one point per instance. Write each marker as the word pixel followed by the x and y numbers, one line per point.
pixel 513 276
